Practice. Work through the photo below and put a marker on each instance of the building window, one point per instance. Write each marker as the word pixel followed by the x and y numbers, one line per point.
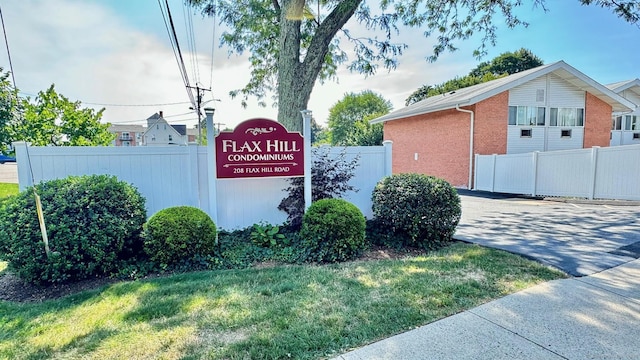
pixel 636 136
pixel 526 115
pixel 526 133
pixel 617 123
pixel 566 117
pixel 631 122
pixel 565 133
pixel 170 138
pixel 153 138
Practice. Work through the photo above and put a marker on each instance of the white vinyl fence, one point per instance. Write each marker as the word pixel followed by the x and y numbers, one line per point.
pixel 177 175
pixel 596 173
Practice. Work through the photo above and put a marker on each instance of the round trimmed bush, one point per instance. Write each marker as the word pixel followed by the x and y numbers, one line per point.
pixel 419 210
pixel 179 233
pixel 333 230
pixel 93 224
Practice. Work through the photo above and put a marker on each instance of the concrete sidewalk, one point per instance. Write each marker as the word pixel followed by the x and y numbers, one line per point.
pixel 592 317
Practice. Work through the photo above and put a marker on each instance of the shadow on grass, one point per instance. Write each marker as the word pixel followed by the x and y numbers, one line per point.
pixel 301 312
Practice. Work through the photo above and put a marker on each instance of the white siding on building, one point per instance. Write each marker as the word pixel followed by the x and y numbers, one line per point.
pixel 163 135
pixel 555 141
pixel 631 96
pixel 517 144
pixel 528 94
pixel 616 138
pixel 547 91
pixel 563 94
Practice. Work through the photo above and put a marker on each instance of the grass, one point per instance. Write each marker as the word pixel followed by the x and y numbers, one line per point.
pixel 8 189
pixel 299 312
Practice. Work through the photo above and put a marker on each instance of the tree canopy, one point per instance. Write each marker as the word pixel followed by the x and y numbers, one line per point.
pixel 508 63
pixel 348 119
pixel 293 43
pixel 48 119
pixel 9 110
pixel 504 64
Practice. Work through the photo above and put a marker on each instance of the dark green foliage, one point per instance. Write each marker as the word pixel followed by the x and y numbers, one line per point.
pixel 238 250
pixel 379 234
pixel 178 234
pixel 508 63
pixel 333 230
pixel 330 175
pixel 348 119
pixel 502 65
pixel 459 82
pixel 418 210
pixel 93 222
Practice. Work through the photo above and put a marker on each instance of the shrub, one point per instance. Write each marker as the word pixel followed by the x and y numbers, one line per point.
pixel 93 224
pixel 419 210
pixel 330 175
pixel 333 230
pixel 179 234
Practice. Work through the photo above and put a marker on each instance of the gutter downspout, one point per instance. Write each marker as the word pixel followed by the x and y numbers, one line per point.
pixel 470 142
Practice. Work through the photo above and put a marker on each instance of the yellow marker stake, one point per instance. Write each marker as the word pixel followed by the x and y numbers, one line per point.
pixel 43 226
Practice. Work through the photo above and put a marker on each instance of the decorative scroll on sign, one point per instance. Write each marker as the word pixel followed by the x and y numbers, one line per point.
pixel 259 148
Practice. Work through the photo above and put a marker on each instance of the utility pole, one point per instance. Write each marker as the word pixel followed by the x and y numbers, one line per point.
pixel 199 92
pixel 218 125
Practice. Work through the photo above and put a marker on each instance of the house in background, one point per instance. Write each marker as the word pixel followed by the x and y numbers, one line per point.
pixel 127 135
pixel 625 128
pixel 551 107
pixel 161 133
pixel 192 135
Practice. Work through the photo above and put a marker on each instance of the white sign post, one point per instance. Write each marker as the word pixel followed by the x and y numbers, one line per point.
pixel 306 132
pixel 211 159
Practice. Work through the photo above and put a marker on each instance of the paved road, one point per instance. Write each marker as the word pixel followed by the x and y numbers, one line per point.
pixel 581 239
pixel 9 173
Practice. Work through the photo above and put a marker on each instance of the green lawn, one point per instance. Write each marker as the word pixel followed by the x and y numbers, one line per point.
pixel 298 312
pixel 8 189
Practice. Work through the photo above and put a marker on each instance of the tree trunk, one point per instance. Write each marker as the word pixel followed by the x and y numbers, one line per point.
pixel 295 78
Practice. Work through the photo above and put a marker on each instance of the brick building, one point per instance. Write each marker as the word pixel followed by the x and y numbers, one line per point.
pixel 127 135
pixel 551 107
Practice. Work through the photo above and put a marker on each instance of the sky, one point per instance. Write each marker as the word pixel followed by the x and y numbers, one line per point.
pixel 117 54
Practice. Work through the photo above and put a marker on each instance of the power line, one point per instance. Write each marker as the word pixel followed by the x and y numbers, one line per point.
pixel 191 42
pixel 213 45
pixel 137 105
pixel 13 77
pixel 173 38
pixel 165 117
pixel 123 105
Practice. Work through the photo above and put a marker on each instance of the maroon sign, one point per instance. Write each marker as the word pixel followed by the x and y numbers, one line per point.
pixel 259 148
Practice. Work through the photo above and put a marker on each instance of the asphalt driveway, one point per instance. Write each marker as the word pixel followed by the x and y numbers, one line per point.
pixel 580 239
